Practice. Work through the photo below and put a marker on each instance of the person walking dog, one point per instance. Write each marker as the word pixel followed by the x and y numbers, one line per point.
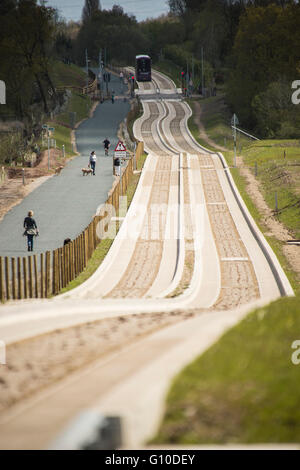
pixel 31 230
pixel 93 160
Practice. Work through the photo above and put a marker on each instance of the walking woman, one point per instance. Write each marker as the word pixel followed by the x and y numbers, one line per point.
pixel 31 230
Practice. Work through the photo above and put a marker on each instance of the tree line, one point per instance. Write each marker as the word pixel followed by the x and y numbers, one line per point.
pixel 251 48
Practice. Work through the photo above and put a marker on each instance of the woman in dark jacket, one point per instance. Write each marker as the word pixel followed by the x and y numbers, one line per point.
pixel 30 229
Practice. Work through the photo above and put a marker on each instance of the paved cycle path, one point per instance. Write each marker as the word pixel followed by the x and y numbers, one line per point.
pixel 65 204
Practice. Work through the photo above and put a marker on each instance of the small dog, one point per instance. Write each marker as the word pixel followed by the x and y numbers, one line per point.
pixel 86 171
pixel 58 170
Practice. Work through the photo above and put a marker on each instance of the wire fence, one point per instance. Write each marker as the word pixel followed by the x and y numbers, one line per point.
pixel 44 275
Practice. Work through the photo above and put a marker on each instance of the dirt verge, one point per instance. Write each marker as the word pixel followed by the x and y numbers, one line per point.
pixel 13 191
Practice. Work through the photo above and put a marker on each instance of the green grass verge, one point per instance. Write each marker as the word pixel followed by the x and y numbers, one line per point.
pixel 80 104
pixel 243 389
pixel 169 68
pixel 67 75
pixel 275 244
pixel 278 170
pixel 132 116
pixel 105 244
pixel 216 120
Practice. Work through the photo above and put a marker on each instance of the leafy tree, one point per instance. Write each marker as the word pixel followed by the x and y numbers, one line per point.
pixel 177 7
pixel 25 49
pixel 108 29
pixel 275 114
pixel 90 7
pixel 161 33
pixel 266 49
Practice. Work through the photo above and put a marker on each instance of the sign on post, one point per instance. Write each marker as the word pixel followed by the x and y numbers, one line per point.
pixel 120 152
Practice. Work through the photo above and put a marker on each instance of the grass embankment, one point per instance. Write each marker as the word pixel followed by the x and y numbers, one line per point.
pixel 169 68
pixel 69 76
pixel 216 119
pixel 245 388
pixel 105 244
pixel 135 113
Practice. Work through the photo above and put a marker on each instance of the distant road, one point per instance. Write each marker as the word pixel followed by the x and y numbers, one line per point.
pixel 64 205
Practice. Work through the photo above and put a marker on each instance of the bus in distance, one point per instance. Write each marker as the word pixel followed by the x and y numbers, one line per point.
pixel 143 68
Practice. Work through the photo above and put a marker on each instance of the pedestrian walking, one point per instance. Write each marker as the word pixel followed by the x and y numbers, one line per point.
pixel 106 144
pixel 117 164
pixel 93 160
pixel 113 97
pixel 31 230
pixel 121 76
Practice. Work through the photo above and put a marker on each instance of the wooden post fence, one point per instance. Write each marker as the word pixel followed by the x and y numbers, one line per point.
pixel 23 278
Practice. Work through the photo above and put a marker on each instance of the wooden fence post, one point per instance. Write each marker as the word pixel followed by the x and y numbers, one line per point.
pixel 57 271
pixel 77 257
pixel 53 272
pixel 60 283
pixel 30 277
pixel 82 251
pixel 68 267
pixel 71 260
pixel 42 276
pixel 2 296
pixel 94 234
pixel 63 267
pixel 13 271
pixel 7 280
pixel 36 283
pixel 85 248
pixel 47 282
pixel 19 278
pixel 25 279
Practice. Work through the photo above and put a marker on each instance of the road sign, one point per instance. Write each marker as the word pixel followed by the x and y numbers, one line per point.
pixel 120 147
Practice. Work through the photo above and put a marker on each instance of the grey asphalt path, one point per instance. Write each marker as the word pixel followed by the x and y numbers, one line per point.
pixel 65 204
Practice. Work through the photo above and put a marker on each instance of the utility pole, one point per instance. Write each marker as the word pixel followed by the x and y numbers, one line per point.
pixel 48 135
pixel 202 72
pixel 193 69
pixel 187 71
pixel 100 73
pixel 234 123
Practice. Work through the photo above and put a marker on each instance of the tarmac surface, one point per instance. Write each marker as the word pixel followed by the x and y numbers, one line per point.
pixel 65 204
